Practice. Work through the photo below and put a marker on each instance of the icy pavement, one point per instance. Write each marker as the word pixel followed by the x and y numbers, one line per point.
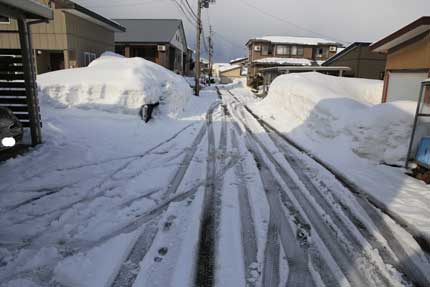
pixel 213 198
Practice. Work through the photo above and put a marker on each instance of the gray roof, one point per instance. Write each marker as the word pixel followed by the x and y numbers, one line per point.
pixel 148 30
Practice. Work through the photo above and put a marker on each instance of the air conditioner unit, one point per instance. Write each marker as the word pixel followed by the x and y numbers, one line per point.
pixel 257 48
pixel 161 48
pixel 333 49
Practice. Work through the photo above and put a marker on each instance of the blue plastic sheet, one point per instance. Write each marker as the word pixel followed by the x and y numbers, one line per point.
pixel 423 153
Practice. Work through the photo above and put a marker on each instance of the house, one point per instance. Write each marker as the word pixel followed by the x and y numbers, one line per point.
pixel 273 51
pixel 363 63
pixel 227 73
pixel 73 39
pixel 243 62
pixel 161 41
pixel 408 60
pixel 18 89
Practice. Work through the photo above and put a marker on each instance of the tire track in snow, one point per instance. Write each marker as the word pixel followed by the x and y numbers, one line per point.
pixel 249 240
pixel 205 266
pixel 280 231
pixel 126 276
pixel 293 243
pixel 354 274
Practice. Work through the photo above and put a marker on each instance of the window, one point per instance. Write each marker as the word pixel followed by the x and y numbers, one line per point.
pixel 294 50
pixel 4 20
pixel 89 57
pixel 265 50
pixel 282 50
pixel 300 51
pixel 320 52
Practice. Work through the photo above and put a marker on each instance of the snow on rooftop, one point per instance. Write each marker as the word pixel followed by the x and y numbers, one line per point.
pixel 226 68
pixel 286 61
pixel 239 59
pixel 297 40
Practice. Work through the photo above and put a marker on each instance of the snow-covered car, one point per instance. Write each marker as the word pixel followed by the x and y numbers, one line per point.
pixel 10 129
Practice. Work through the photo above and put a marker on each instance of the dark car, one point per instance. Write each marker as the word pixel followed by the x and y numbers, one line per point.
pixel 10 129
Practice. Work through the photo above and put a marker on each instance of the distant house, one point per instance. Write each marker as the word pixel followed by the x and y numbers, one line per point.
pixel 272 51
pixel 228 73
pixel 73 39
pixel 408 60
pixel 243 62
pixel 161 41
pixel 363 63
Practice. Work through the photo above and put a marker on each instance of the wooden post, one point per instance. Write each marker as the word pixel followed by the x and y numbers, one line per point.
pixel 30 81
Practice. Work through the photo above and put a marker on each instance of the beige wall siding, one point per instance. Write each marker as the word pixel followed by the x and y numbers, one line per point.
pixel 235 73
pixel 50 36
pixel 364 64
pixel 68 33
pixel 412 56
pixel 85 36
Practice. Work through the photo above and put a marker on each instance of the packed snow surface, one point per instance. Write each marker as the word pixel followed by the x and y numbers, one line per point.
pixel 296 40
pixel 116 84
pixel 285 61
pixel 342 121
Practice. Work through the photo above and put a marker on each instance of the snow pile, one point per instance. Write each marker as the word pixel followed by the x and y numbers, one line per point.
pixel 116 84
pixel 285 61
pixel 332 108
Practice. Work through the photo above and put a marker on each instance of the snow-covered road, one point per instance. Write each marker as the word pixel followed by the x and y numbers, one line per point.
pixel 223 200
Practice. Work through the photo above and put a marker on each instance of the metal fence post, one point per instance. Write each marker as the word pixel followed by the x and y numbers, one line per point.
pixel 414 127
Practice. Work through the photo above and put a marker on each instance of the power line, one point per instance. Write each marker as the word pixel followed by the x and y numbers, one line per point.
pixel 190 8
pixel 192 21
pixel 289 22
pixel 221 37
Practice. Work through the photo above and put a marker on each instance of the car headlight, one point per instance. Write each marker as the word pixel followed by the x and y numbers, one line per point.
pixel 8 142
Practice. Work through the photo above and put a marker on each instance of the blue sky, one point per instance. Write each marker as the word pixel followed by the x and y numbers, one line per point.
pixel 236 21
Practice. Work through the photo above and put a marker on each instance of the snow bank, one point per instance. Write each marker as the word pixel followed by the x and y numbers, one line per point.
pixel 116 84
pixel 327 107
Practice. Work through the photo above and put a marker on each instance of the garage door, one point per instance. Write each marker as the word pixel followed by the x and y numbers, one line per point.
pixel 405 86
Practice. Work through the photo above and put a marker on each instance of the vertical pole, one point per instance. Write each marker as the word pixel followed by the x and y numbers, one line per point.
pixel 30 81
pixel 414 127
pixel 199 31
pixel 210 55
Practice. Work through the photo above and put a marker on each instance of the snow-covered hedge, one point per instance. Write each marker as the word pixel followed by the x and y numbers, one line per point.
pixel 345 109
pixel 116 84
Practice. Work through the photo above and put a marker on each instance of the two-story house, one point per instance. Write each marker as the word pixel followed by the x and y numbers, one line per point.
pixel 74 38
pixel 272 51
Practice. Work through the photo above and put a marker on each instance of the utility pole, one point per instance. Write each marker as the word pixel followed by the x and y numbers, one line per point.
pixel 200 5
pixel 211 47
pixel 199 33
